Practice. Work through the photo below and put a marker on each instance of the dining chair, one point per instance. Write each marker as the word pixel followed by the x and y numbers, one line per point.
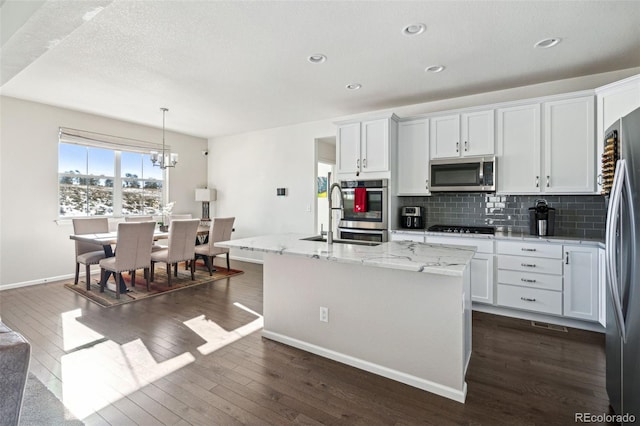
pixel 181 248
pixel 88 253
pixel 154 247
pixel 133 251
pixel 138 218
pixel 219 230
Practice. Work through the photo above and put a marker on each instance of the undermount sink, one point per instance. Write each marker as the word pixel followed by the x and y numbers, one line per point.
pixel 322 238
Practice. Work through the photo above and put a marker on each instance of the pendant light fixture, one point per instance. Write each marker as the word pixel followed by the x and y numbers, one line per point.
pixel 166 159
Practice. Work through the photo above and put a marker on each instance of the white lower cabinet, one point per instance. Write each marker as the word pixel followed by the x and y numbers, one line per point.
pixel 481 265
pixel 530 276
pixel 407 236
pixel 581 289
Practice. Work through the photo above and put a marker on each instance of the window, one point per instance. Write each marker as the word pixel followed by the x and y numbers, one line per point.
pixel 103 178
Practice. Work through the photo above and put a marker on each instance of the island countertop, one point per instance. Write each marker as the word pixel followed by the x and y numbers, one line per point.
pixel 404 255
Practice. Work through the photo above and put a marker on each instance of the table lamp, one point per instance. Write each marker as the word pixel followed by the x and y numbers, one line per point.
pixel 205 195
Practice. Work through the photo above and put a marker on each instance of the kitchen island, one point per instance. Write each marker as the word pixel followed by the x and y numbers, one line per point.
pixel 399 309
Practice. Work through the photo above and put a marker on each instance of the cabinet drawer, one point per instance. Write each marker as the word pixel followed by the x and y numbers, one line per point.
pixel 528 279
pixel 530 264
pixel 519 248
pixel 530 299
pixel 481 245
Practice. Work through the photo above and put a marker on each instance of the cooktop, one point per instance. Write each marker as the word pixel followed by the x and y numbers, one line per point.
pixel 461 229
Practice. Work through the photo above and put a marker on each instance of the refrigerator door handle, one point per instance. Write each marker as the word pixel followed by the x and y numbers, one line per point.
pixel 612 224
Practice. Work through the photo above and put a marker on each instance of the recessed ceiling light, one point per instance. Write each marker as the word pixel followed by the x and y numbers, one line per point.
pixel 414 29
pixel 354 86
pixel 547 43
pixel 434 68
pixel 318 58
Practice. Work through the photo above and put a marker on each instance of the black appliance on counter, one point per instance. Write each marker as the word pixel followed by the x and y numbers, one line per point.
pixel 411 218
pixel 460 229
pixel 542 219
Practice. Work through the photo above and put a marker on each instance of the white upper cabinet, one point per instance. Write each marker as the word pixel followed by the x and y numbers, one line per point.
pixel 518 143
pixel 614 101
pixel 364 146
pixel 413 158
pixel 562 161
pixel 569 146
pixel 445 136
pixel 460 135
pixel 477 133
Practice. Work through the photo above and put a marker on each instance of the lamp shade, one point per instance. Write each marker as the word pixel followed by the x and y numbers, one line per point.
pixel 205 194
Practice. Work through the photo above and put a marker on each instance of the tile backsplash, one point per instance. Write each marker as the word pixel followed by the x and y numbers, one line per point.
pixel 576 215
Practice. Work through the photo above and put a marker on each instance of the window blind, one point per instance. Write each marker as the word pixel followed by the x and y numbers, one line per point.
pixel 85 138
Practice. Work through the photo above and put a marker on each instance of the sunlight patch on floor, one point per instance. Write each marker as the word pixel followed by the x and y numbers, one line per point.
pixel 216 336
pixel 74 333
pixel 95 377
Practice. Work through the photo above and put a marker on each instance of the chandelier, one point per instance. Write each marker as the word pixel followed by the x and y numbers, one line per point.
pixel 166 159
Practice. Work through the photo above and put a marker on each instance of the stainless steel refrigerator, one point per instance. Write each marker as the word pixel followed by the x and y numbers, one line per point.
pixel 622 268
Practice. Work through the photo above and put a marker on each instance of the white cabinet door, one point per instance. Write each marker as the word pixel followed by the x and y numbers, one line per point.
pixel 569 146
pixel 482 278
pixel 581 290
pixel 348 148
pixel 478 133
pixel 518 163
pixel 445 136
pixel 413 158
pixel 374 154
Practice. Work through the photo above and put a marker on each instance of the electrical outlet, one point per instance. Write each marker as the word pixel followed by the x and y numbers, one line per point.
pixel 324 314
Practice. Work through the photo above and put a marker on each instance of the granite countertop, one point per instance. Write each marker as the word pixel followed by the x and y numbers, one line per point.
pixel 403 255
pixel 515 236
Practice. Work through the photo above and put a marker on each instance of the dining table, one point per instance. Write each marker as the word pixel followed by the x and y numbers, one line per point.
pixel 108 239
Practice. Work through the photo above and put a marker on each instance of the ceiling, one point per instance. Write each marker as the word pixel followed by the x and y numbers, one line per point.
pixel 226 67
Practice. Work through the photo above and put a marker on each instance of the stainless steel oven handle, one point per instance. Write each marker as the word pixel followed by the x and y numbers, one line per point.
pixel 610 240
pixel 481 175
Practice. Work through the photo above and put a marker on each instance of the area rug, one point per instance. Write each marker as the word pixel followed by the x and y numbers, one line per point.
pixel 41 407
pixel 157 287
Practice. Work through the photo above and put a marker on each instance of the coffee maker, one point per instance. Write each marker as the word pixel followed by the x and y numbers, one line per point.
pixel 542 219
pixel 411 218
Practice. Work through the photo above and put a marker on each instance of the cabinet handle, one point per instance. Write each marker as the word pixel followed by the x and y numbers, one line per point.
pixel 547 181
pixel 599 181
pixel 358 163
pixel 525 280
pixel 426 184
pixel 537 181
pixel 457 146
pixel 528 265
pixel 566 262
pixel 527 299
pixel 527 249
pixel 364 163
pixel 466 146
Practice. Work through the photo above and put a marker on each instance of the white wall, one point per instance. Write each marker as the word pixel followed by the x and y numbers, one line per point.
pixel 247 168
pixel 34 247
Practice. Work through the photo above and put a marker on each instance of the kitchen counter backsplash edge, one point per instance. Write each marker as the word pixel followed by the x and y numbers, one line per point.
pixel 515 236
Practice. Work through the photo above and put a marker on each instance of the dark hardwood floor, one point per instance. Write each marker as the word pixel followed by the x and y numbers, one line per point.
pixel 196 357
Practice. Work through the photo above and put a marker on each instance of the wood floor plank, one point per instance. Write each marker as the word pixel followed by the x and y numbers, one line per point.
pixel 518 374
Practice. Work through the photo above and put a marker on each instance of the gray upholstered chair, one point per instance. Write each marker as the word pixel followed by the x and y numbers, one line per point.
pixel 133 251
pixel 219 230
pixel 182 243
pixel 154 247
pixel 138 218
pixel 87 253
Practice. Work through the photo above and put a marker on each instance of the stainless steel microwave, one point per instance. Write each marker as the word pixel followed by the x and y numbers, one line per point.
pixel 475 174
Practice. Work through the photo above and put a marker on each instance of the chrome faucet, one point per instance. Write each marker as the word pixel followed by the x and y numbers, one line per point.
pixel 331 208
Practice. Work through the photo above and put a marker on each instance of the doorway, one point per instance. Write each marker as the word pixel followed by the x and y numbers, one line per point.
pixel 325 163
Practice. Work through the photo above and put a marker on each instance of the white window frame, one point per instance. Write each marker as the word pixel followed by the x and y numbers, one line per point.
pixel 117 145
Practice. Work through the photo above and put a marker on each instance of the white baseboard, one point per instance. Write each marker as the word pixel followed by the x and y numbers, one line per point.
pixel 380 370
pixel 36 282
